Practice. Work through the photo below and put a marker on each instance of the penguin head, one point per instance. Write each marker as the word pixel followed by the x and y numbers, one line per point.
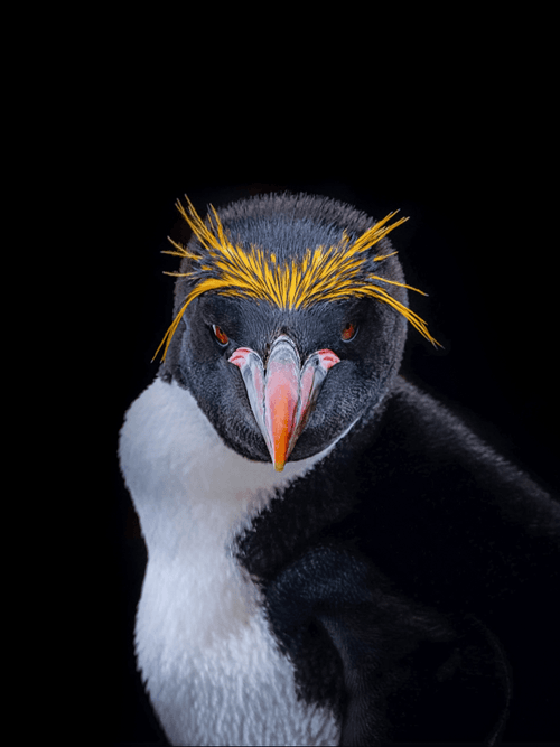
pixel 290 322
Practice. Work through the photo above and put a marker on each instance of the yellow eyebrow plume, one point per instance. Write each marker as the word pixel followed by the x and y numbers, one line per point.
pixel 325 274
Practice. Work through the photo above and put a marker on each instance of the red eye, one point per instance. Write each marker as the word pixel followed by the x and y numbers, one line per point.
pixel 220 335
pixel 349 331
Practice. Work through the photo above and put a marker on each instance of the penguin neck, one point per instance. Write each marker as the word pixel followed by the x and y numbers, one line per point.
pixel 188 487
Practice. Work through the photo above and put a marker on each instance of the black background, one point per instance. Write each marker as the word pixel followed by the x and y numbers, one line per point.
pixel 481 240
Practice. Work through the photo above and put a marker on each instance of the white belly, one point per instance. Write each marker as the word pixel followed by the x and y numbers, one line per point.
pixel 224 687
pixel 210 663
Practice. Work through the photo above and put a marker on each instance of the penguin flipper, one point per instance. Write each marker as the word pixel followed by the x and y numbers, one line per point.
pixel 409 673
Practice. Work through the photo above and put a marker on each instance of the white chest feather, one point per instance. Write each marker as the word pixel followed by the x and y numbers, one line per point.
pixel 211 665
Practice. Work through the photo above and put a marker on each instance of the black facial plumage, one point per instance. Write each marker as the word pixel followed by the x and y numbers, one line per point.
pixel 290 226
pixel 394 579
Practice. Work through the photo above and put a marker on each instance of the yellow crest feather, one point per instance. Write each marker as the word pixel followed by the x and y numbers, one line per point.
pixel 324 274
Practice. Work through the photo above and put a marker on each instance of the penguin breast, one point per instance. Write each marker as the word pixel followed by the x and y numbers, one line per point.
pixel 205 650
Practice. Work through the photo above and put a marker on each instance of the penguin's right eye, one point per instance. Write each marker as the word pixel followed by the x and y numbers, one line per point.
pixel 349 332
pixel 220 335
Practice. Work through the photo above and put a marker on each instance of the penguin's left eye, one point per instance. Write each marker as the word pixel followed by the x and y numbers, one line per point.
pixel 220 335
pixel 349 332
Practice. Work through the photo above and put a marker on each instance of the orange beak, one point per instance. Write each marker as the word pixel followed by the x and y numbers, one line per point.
pixel 283 399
